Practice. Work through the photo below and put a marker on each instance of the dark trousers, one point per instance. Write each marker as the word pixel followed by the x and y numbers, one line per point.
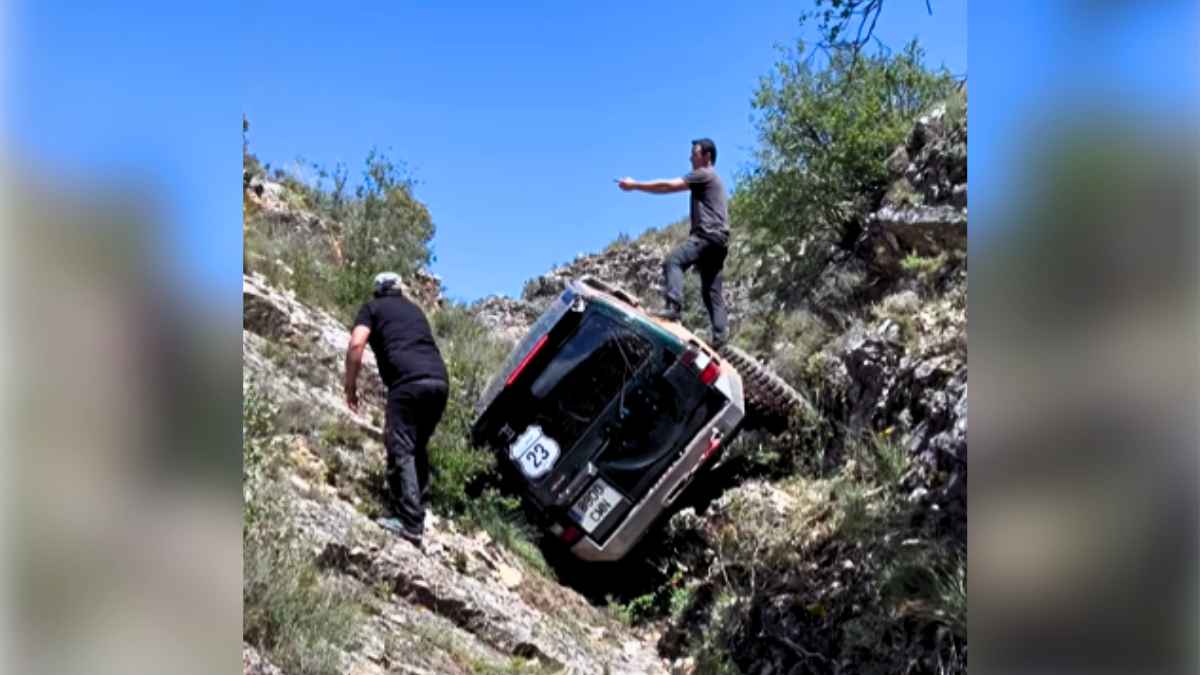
pixel 413 412
pixel 709 258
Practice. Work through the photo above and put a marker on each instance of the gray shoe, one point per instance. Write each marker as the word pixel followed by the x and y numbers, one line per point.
pixel 396 527
pixel 667 313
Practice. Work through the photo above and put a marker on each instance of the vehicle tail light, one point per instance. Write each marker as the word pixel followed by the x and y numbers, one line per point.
pixel 713 444
pixel 570 535
pixel 525 361
pixel 705 365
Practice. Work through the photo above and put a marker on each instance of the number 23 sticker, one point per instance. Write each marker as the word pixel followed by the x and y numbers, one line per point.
pixel 534 452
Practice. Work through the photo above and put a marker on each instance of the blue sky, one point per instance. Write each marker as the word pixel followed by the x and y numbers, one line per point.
pixel 514 121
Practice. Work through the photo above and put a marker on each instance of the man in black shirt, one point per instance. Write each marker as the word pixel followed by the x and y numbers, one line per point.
pixel 412 369
pixel 708 240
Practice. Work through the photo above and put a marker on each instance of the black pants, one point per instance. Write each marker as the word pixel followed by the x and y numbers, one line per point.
pixel 709 259
pixel 413 412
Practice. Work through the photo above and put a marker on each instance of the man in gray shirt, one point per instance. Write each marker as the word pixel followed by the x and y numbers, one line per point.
pixel 707 242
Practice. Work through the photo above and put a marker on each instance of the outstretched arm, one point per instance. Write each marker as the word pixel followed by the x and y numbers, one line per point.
pixel 354 354
pixel 660 186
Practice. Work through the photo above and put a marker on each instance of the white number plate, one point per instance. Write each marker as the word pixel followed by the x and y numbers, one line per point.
pixel 534 452
pixel 595 504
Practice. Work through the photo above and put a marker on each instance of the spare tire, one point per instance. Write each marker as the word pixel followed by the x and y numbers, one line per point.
pixel 771 403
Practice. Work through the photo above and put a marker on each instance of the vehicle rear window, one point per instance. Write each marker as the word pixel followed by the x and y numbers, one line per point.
pixel 539 328
pixel 588 371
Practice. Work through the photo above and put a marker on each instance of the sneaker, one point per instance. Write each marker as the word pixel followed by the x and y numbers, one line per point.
pixel 667 313
pixel 396 527
pixel 719 341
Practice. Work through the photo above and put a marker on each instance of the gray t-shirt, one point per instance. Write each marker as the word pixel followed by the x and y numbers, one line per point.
pixel 710 218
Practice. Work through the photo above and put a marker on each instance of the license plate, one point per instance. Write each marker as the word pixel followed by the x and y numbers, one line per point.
pixel 534 452
pixel 595 504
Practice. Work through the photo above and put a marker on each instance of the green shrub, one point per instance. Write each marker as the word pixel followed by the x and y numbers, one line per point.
pixel 345 237
pixel 924 267
pixel 882 460
pixel 465 479
pixel 288 610
pixel 825 131
pixel 623 239
pixel 502 518
pixel 956 109
pixel 472 356
pixel 340 432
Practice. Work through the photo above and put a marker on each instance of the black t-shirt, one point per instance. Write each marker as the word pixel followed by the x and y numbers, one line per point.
pixel 710 217
pixel 402 341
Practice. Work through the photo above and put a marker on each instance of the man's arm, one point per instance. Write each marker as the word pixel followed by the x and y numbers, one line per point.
pixel 354 354
pixel 660 186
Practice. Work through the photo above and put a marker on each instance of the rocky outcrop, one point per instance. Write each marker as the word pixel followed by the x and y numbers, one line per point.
pixel 481 595
pixel 289 217
pixel 924 211
pixel 790 578
pixel 425 289
pixel 509 319
pixel 465 603
pixel 905 373
pixel 296 353
pixel 253 663
pixel 635 267
pixel 899 363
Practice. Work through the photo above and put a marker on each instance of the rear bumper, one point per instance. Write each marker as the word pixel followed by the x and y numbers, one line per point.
pixel 673 482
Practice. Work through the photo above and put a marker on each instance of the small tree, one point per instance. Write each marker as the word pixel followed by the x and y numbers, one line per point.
pixel 384 227
pixel 848 23
pixel 824 135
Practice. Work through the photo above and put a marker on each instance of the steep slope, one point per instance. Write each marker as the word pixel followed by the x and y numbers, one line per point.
pixel 467 604
pixel 839 547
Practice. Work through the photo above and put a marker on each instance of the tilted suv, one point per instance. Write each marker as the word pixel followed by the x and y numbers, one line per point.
pixel 604 414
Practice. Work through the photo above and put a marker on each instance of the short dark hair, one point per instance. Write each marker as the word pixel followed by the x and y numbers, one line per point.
pixel 706 145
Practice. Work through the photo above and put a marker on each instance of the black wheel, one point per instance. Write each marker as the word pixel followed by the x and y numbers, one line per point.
pixel 771 403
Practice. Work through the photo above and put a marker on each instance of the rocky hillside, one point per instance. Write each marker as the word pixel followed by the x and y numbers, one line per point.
pixel 468 604
pixel 889 353
pixel 871 497
pixel 836 547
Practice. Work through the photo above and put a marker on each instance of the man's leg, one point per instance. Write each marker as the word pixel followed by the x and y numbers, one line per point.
pixel 433 406
pixel 712 285
pixel 679 260
pixel 400 440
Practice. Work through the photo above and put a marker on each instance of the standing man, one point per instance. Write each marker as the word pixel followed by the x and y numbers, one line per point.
pixel 412 369
pixel 707 242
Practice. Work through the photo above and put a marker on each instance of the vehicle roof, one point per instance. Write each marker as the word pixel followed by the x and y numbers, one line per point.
pixel 676 330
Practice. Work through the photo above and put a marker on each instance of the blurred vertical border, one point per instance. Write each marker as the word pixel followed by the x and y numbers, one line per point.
pixel 122 359
pixel 1085 359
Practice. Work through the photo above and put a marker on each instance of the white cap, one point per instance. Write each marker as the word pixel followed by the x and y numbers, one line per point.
pixel 386 282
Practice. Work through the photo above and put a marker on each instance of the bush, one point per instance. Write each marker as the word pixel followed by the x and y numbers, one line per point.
pixel 824 135
pixel 465 479
pixel 288 610
pixel 472 355
pixel 849 573
pixel 329 250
